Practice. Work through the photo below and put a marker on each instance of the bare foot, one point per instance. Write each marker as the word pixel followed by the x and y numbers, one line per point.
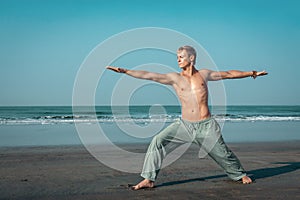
pixel 143 184
pixel 246 180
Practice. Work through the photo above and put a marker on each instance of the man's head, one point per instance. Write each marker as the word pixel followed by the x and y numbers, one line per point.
pixel 186 55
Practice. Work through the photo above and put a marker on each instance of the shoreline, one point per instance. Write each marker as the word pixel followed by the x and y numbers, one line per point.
pixel 67 134
pixel 126 144
pixel 69 171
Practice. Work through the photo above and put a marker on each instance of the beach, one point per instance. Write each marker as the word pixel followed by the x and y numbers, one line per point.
pixel 70 172
pixel 43 156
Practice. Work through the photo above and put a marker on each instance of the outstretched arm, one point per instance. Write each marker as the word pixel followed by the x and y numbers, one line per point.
pixel 161 78
pixel 233 74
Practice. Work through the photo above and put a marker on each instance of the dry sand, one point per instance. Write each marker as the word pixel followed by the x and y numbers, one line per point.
pixel 70 172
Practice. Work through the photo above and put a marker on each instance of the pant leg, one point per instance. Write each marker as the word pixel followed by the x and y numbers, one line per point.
pixel 163 143
pixel 220 151
pixel 227 160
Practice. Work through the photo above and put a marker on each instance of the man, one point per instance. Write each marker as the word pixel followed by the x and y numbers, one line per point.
pixel 196 124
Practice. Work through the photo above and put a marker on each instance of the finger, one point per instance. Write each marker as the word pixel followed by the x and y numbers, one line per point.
pixel 112 68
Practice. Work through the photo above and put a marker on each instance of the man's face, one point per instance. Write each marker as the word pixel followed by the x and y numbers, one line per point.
pixel 183 59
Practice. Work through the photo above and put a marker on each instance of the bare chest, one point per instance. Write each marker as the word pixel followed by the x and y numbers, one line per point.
pixel 189 87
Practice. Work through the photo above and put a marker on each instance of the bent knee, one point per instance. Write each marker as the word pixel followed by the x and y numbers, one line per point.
pixel 159 141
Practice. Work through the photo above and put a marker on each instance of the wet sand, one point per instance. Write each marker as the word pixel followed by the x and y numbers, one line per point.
pixel 70 172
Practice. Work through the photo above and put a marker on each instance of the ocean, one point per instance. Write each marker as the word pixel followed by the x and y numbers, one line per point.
pixel 55 125
pixel 139 114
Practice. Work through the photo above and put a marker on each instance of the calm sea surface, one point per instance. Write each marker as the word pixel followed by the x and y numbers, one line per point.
pixel 55 125
pixel 139 114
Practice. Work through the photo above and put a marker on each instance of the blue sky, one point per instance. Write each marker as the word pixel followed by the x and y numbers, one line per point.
pixel 43 44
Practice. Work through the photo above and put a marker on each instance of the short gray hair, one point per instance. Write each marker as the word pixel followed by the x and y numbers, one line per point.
pixel 190 51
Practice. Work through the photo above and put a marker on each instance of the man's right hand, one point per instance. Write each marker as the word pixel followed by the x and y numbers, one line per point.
pixel 116 69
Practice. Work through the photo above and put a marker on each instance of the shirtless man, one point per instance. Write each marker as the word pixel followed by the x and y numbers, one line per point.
pixel 191 87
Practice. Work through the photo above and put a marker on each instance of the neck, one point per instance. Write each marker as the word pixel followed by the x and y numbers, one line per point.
pixel 189 70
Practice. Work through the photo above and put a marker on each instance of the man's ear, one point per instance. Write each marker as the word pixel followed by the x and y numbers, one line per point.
pixel 192 58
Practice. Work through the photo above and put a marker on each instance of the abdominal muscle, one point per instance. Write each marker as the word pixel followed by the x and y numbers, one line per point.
pixel 194 106
pixel 191 114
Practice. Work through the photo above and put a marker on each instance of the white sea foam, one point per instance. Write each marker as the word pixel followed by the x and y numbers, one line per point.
pixel 135 119
pixel 139 114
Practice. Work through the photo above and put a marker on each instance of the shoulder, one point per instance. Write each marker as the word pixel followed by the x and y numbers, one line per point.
pixel 173 75
pixel 205 73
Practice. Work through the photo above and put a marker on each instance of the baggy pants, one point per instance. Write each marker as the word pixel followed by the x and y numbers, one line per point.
pixel 206 133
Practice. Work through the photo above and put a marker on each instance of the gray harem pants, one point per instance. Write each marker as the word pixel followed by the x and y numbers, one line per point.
pixel 206 134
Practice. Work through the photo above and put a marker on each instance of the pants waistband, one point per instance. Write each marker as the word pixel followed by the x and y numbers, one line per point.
pixel 197 122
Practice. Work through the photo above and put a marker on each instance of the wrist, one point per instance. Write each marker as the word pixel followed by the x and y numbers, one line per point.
pixel 254 74
pixel 122 70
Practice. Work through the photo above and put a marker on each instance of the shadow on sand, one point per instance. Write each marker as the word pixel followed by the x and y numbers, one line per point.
pixel 254 174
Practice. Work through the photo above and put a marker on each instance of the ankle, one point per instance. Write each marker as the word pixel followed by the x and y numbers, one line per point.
pixel 148 181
